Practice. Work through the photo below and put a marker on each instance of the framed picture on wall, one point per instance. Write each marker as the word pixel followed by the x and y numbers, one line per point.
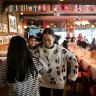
pixel 5 40
pixel 0 27
pixel 12 23
pixel 1 40
pixel 4 27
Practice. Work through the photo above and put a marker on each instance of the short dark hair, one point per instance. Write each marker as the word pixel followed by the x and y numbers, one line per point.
pixel 48 31
pixel 32 37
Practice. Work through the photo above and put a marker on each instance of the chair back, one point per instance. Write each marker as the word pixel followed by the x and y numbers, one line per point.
pixel 88 70
pixel 93 90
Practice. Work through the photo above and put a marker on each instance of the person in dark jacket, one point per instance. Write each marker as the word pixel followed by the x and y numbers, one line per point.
pixel 93 45
pixel 65 44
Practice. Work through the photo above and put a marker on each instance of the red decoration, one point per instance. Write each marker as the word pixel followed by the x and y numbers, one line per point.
pixel 44 24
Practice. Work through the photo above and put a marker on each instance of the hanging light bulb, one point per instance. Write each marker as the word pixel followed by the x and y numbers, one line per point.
pixel 25 26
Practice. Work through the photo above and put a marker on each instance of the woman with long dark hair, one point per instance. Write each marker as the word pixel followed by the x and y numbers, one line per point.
pixel 20 70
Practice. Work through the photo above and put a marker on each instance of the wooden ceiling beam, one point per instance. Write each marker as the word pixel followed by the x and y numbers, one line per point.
pixel 62 13
pixel 59 18
pixel 9 2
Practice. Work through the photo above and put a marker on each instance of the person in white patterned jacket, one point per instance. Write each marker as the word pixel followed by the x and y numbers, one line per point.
pixel 57 59
pixel 20 70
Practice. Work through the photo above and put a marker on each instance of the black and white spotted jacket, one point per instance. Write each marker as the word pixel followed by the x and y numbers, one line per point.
pixel 28 87
pixel 57 59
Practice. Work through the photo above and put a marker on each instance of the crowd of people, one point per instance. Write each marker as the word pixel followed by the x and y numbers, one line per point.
pixel 81 41
pixel 20 70
pixel 84 43
pixel 40 65
pixel 36 68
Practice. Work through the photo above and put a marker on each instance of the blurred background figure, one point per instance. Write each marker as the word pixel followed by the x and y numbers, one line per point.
pixel 65 44
pixel 93 45
pixel 85 43
pixel 72 39
pixel 68 37
pixel 57 37
pixel 79 40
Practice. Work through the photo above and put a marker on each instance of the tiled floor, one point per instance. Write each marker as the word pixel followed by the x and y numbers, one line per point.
pixel 67 91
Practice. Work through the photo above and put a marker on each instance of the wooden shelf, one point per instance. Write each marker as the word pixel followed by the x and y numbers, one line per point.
pixel 49 16
pixel 62 13
pixel 7 33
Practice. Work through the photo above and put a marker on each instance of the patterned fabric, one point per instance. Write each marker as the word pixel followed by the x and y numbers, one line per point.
pixel 57 59
pixel 28 87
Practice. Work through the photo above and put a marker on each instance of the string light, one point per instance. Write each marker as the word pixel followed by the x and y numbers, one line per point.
pixel 81 22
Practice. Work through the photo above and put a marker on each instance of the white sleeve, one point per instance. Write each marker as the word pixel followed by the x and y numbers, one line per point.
pixel 73 66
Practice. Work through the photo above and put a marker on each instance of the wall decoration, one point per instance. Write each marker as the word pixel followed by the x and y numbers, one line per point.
pixel 5 39
pixel 12 23
pixel 4 27
pixel 20 30
pixel 0 27
pixel 1 40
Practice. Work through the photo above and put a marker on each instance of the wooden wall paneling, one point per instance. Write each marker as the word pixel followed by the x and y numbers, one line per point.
pixel 4 21
pixel 3 48
pixel 0 17
pixel 0 23
pixel 6 35
pixel 1 7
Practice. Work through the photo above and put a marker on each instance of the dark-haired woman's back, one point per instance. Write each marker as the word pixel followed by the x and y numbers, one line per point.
pixel 28 87
pixel 20 73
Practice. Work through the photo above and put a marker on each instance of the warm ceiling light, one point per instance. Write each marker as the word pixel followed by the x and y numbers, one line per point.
pixel 62 25
pixel 21 13
pixel 81 22
pixel 47 26
pixel 92 26
pixel 19 26
pixel 25 26
pixel 61 0
pixel 54 9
